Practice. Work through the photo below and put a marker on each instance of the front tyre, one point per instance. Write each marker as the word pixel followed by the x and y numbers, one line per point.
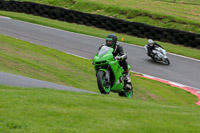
pixel 166 62
pixel 101 83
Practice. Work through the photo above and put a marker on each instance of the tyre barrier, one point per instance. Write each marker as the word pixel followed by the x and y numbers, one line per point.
pixel 109 23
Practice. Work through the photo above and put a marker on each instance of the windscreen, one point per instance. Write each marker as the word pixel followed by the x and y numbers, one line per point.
pixel 103 50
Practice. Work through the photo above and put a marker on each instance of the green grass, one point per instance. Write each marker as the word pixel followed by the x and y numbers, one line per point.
pixel 178 49
pixel 183 15
pixel 53 111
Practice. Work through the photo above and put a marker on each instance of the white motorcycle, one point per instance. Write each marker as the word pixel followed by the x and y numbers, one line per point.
pixel 159 55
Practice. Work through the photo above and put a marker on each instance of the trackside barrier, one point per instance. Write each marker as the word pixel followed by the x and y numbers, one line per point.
pixel 108 23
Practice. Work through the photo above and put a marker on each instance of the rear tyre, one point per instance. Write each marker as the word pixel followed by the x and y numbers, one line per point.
pixel 127 92
pixel 101 83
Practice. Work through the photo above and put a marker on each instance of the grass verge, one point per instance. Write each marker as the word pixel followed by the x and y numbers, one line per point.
pixel 48 111
pixel 177 49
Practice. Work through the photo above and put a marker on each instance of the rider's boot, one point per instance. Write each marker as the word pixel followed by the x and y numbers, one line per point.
pixel 127 77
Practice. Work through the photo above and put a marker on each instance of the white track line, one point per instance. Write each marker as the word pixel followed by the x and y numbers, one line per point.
pixel 5 17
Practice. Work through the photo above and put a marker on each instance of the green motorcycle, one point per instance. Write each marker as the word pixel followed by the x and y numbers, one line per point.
pixel 110 75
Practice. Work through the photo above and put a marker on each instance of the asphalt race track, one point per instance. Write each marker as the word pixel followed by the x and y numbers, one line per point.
pixel 21 81
pixel 181 70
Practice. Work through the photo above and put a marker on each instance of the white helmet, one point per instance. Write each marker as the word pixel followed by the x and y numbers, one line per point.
pixel 150 42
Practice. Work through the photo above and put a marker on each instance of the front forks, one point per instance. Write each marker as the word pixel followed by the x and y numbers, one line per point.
pixel 107 78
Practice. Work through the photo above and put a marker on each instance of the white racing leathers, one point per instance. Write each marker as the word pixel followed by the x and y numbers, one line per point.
pixel 159 55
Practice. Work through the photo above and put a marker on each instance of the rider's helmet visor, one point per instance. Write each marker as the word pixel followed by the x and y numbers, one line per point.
pixel 109 42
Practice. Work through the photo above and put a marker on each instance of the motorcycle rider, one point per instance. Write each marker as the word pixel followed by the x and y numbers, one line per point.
pixel 151 47
pixel 118 53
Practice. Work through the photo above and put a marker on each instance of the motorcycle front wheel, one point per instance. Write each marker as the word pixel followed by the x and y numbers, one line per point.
pixel 101 83
pixel 166 62
pixel 127 92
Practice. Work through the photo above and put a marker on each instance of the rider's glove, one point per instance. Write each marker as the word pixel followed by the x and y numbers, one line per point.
pixel 118 58
pixel 123 57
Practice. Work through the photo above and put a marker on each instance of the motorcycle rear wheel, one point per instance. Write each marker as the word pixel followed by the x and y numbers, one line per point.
pixel 127 93
pixel 101 83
